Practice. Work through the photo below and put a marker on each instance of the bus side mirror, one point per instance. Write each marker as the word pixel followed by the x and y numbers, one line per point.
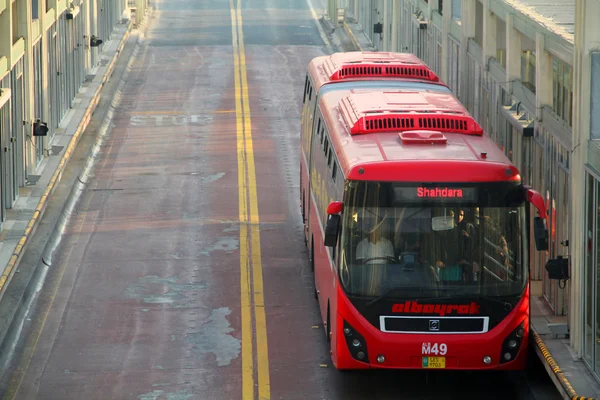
pixel 335 207
pixel 540 232
pixel 333 223
pixel 331 230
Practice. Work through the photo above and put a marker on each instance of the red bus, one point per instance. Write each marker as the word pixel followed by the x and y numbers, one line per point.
pixel 375 70
pixel 418 231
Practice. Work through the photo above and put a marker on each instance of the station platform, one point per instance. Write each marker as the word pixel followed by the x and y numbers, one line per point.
pixel 568 372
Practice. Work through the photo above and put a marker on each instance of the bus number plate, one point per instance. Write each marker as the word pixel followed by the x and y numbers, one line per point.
pixel 434 362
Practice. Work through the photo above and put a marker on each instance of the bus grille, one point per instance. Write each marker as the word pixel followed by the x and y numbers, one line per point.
pixel 434 325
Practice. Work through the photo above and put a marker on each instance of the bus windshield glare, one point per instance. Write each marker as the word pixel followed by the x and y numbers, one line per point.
pixel 433 240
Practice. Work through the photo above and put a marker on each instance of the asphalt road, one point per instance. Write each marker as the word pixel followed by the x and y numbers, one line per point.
pixel 183 274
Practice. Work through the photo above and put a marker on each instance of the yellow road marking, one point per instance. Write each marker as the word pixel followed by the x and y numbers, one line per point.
pixel 245 284
pixel 247 192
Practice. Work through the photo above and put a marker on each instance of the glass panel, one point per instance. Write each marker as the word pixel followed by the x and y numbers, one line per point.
pixel 34 9
pixel 596 263
pixel 424 240
pixel 589 274
pixel 456 9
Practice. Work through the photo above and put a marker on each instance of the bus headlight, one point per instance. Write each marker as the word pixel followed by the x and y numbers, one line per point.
pixel 356 343
pixel 512 344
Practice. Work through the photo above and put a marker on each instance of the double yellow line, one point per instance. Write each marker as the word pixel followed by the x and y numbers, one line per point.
pixel 251 279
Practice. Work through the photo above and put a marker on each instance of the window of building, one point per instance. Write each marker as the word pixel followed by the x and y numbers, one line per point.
pixel 456 12
pixel 35 9
pixel 434 47
pixel 501 42
pixel 15 22
pixel 454 66
pixel 562 90
pixel 528 69
pixel 478 23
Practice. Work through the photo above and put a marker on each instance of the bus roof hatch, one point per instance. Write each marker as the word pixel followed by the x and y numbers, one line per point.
pixel 401 111
pixel 358 64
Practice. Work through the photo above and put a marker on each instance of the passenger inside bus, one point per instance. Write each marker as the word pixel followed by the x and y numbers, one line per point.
pixel 376 248
pixel 455 250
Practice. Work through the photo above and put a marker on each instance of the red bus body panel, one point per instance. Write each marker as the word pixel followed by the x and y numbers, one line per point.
pixel 384 156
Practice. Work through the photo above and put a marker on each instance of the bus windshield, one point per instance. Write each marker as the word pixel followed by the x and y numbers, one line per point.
pixel 433 240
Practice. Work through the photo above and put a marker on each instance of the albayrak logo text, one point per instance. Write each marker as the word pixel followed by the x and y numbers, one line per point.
pixel 412 307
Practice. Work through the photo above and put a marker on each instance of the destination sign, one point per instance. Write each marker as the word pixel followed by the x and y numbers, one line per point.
pixel 427 193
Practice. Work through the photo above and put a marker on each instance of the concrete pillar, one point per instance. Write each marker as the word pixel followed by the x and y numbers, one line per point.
pixel 395 25
pixel 489 33
pixel 513 51
pixel 93 7
pixel 543 75
pixel 29 162
pixel 587 38
pixel 446 21
pixel 85 14
pixel 468 31
pixel 5 33
pixel 386 26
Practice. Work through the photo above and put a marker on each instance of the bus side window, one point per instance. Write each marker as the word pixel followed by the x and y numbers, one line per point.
pixel 322 134
pixel 329 158
pixel 334 172
pixel 305 90
pixel 309 92
pixel 318 126
pixel 326 147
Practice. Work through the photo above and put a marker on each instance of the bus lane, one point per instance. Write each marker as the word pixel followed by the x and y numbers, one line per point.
pixel 144 300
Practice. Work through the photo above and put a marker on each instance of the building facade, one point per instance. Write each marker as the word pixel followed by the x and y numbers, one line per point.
pixel 48 48
pixel 586 184
pixel 518 69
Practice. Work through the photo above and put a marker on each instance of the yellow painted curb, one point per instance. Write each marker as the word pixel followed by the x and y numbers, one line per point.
pixel 556 369
pixel 352 37
pixel 29 230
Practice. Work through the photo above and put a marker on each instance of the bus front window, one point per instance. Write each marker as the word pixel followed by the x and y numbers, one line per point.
pixel 422 241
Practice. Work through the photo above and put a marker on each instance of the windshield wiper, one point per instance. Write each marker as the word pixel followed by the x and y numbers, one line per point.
pixel 391 290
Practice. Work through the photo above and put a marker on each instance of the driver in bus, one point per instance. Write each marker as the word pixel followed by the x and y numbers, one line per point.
pixel 376 248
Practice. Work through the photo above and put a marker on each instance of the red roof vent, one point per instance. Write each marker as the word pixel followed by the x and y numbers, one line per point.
pixel 406 111
pixel 422 137
pixel 350 65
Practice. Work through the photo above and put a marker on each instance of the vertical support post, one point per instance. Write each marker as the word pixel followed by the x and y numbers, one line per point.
pixel 513 52
pixel 395 25
pixel 446 20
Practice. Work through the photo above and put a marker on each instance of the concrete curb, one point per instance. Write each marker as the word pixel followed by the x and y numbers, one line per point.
pixel 352 37
pixel 355 34
pixel 39 210
pixel 558 377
